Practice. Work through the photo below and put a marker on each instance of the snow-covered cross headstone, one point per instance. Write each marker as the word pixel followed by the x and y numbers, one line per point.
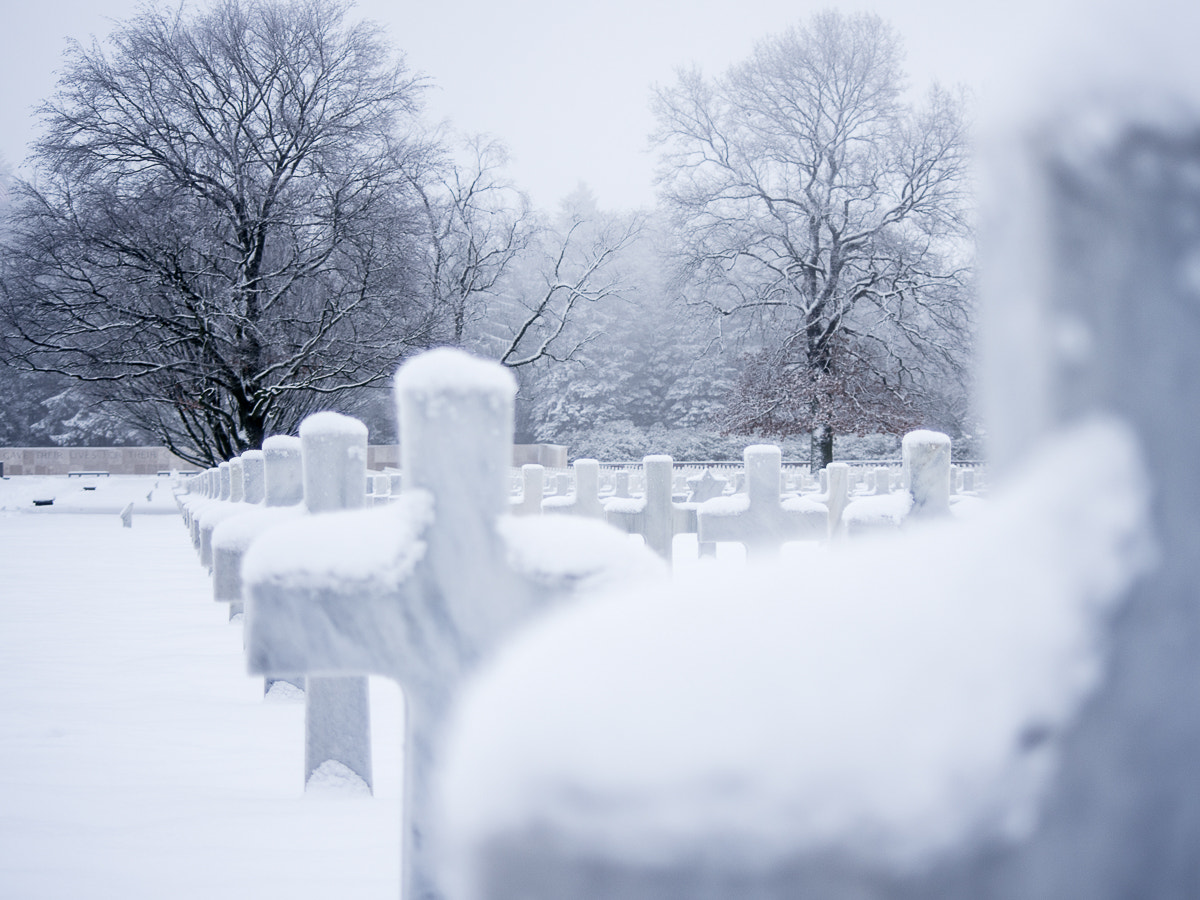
pixel 926 468
pixel 837 493
pixel 620 483
pixel 883 482
pixel 759 519
pixel 585 499
pixel 232 503
pixel 705 486
pixel 532 488
pixel 421 590
pixel 652 515
pixel 337 711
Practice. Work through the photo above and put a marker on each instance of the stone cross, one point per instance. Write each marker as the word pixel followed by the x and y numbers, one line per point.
pixel 207 487
pixel 759 519
pixel 837 493
pixel 927 494
pixel 562 484
pixel 883 482
pixel 283 475
pixel 532 478
pixel 225 474
pixel 337 710
pixel 653 515
pixel 585 499
pixel 705 486
pixel 423 589
pixel 620 483
pixel 381 489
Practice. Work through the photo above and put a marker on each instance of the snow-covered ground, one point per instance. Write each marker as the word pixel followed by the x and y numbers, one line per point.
pixel 44 494
pixel 137 757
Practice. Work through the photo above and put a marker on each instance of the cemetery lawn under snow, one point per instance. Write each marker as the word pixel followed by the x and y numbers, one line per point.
pixel 138 759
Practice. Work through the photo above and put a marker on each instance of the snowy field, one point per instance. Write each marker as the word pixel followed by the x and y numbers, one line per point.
pixel 137 757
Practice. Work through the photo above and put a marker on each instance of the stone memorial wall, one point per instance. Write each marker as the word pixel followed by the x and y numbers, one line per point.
pixel 114 460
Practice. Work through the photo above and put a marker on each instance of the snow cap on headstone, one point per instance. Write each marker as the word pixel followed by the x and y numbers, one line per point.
pixel 444 371
pixel 456 418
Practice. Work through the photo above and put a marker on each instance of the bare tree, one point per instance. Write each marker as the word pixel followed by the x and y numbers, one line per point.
pixel 222 232
pixel 6 177
pixel 506 282
pixel 577 269
pixel 814 203
pixel 478 225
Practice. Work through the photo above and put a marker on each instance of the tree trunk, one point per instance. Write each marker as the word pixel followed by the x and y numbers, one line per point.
pixel 820 448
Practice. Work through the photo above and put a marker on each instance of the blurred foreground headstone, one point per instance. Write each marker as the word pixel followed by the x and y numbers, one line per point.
pixel 1000 708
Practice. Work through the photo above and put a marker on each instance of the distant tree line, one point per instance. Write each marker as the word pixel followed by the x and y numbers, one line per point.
pixel 236 215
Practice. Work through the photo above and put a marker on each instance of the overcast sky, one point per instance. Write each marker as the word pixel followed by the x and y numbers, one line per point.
pixel 566 83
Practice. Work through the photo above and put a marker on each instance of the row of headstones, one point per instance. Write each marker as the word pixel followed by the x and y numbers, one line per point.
pixel 766 508
pixel 663 495
pixel 226 507
pixel 695 483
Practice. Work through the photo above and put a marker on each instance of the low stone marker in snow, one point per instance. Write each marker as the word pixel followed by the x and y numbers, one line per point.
pixel 1000 707
pixel 422 590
